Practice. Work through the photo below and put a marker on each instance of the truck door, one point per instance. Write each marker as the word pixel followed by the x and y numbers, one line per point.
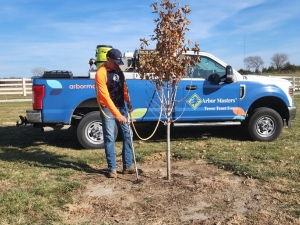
pixel 206 96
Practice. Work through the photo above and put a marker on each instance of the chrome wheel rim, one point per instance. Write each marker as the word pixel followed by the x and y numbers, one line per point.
pixel 94 132
pixel 265 126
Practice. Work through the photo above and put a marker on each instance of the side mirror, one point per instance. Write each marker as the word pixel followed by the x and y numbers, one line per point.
pixel 229 74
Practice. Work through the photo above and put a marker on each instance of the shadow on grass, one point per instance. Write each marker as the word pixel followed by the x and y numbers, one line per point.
pixel 15 139
pixel 42 158
pixel 27 136
pixel 192 133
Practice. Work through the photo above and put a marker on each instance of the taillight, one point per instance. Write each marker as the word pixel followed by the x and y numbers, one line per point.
pixel 38 93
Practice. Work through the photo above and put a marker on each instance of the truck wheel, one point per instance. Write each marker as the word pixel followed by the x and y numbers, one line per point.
pixel 265 124
pixel 90 132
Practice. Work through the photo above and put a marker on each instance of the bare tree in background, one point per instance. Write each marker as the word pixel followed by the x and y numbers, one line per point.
pixel 38 71
pixel 253 62
pixel 165 66
pixel 279 60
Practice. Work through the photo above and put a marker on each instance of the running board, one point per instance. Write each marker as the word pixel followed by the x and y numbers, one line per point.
pixel 229 123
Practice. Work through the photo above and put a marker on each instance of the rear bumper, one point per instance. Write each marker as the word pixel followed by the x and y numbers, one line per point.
pixel 34 116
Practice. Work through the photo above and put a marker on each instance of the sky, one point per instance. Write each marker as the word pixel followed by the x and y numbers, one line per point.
pixel 63 35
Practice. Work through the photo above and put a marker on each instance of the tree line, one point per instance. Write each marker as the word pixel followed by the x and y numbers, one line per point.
pixel 279 64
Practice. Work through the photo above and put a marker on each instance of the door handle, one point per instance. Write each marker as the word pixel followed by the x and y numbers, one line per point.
pixel 191 87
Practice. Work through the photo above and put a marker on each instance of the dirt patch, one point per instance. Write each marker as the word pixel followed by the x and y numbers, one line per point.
pixel 198 193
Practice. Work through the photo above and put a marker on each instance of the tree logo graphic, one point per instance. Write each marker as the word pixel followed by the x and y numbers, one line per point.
pixel 194 101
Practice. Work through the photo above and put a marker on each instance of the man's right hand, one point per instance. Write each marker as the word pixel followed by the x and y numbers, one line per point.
pixel 122 119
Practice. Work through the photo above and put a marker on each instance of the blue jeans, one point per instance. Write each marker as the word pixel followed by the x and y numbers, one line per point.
pixel 108 125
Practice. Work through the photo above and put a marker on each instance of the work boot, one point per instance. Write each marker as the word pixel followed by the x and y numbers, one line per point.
pixel 129 170
pixel 112 174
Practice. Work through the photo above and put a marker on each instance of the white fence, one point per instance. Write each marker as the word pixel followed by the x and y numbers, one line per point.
pixel 19 86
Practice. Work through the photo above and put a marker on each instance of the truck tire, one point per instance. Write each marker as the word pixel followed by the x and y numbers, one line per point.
pixel 265 124
pixel 90 132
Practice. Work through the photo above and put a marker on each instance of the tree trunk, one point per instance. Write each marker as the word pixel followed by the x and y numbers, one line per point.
pixel 168 150
pixel 169 111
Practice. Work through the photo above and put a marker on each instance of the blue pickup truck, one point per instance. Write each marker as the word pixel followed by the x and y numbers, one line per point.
pixel 212 93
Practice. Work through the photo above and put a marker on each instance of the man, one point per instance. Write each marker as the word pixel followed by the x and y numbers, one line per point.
pixel 111 91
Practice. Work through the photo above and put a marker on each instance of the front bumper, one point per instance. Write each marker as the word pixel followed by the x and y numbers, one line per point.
pixel 292 112
pixel 292 115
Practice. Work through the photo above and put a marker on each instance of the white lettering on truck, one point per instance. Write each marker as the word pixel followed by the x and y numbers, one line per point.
pixel 219 100
pixel 208 100
pixel 227 100
pixel 81 86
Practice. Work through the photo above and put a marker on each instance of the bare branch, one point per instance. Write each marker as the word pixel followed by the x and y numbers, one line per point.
pixel 38 71
pixel 278 60
pixel 253 62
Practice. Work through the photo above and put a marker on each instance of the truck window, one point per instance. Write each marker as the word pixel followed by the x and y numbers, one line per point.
pixel 205 68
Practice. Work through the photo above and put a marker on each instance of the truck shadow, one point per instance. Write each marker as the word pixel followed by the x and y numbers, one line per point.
pixel 29 145
pixel 192 133
pixel 27 136
pixel 32 146
pixel 42 158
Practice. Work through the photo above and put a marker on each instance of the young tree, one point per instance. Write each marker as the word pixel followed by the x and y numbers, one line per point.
pixel 278 60
pixel 165 66
pixel 38 71
pixel 253 62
